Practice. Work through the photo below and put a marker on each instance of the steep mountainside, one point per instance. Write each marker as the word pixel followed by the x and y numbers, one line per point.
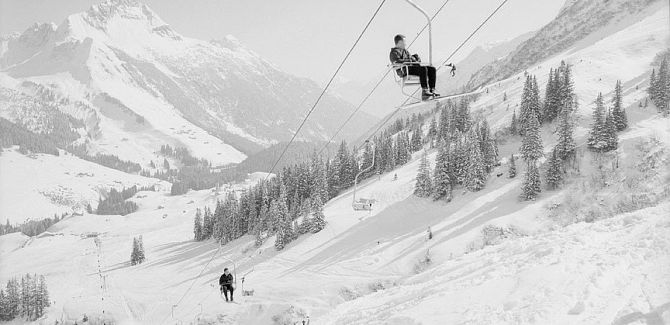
pixel 478 58
pixel 579 24
pixel 125 72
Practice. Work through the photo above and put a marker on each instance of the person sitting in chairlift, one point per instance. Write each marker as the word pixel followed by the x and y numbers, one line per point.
pixel 411 65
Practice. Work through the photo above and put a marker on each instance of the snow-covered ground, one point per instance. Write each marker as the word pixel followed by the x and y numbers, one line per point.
pixel 597 63
pixel 362 268
pixel 38 186
pixel 370 267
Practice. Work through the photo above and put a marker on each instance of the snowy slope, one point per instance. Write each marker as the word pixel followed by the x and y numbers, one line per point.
pixel 135 78
pixel 36 187
pixel 623 55
pixel 577 25
pixel 361 268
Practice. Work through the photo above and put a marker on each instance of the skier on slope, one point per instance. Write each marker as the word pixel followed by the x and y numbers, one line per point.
pixel 226 284
pixel 427 74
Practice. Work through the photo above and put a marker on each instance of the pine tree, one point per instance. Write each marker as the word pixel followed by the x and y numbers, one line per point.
pixel 423 186
pixel 140 252
pixel 618 112
pixel 565 148
pixel 554 175
pixel 611 138
pixel 488 146
pixel 531 144
pixel 531 183
pixel 529 105
pixel 258 235
pixel 42 297
pixel 652 86
pixel 513 128
pixel 511 172
pixel 442 186
pixel 432 131
pixel 535 104
pixel 197 226
pixel 550 97
pixel 207 224
pixel 417 142
pixel 13 299
pixel 661 87
pixel 4 302
pixel 566 88
pixel 460 159
pixel 134 253
pixel 318 221
pixel 598 134
pixel 463 120
pixel 284 229
pixel 475 177
pixel 445 123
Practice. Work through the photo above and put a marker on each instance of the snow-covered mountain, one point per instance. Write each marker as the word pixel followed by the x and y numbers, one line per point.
pixel 479 57
pixel 129 75
pixel 578 25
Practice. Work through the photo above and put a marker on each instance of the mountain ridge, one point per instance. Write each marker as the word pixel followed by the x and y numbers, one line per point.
pixel 187 92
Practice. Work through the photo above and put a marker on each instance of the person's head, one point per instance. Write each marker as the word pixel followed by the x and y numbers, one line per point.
pixel 225 271
pixel 399 41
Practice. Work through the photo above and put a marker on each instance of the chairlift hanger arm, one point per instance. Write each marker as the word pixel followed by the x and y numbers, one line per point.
pixel 430 30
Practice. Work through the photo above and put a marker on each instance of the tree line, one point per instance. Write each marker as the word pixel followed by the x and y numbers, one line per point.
pixel 30 227
pixel 467 153
pixel 107 160
pixel 115 202
pixel 291 203
pixel 28 299
pixel 560 103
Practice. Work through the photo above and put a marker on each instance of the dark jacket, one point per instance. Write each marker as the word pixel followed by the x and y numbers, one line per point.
pixel 226 279
pixel 399 55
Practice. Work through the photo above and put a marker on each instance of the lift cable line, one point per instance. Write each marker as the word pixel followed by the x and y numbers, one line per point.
pixel 441 65
pixel 346 57
pixel 324 91
pixel 358 107
pixel 195 279
pixel 468 39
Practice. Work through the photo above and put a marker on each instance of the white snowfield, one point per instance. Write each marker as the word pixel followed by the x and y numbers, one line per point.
pixel 41 185
pixel 621 51
pixel 362 268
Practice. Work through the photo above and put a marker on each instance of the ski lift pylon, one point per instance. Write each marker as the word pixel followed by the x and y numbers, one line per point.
pixel 363 203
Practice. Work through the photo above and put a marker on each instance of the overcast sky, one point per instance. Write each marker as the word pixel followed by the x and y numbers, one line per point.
pixel 310 37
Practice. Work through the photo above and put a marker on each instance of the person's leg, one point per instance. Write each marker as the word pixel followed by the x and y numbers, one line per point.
pixel 432 77
pixel 225 291
pixel 230 287
pixel 416 70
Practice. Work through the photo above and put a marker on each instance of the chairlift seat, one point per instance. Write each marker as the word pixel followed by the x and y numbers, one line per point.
pixel 406 81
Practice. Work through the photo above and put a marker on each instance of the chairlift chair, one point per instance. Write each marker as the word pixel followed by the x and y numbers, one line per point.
pixel 414 81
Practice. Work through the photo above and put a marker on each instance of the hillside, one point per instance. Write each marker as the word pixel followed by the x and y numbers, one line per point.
pixel 479 57
pixel 578 25
pixel 362 268
pixel 126 74
pixel 38 186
